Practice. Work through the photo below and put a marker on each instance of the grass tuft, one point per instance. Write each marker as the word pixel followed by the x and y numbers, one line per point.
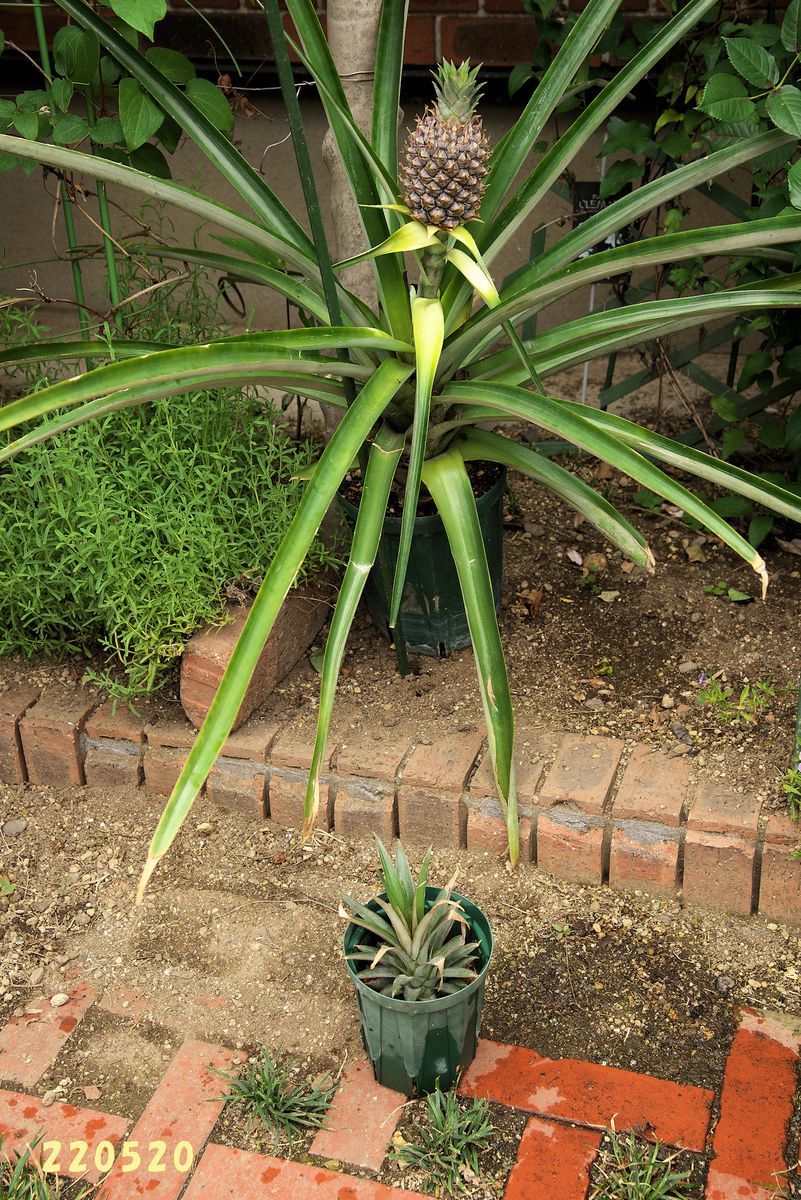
pixel 629 1168
pixel 451 1138
pixel 269 1092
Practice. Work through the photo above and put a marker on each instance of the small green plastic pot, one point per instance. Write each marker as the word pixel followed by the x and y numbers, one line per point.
pixel 416 1046
pixel 432 610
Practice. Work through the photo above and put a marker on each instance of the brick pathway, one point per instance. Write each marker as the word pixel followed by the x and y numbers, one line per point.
pixel 570 1103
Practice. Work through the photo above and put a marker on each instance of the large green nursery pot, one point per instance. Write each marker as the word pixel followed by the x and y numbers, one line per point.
pixel 432 610
pixel 416 1046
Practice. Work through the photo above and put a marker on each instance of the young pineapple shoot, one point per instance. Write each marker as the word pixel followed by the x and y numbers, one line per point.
pixel 414 954
pixel 445 157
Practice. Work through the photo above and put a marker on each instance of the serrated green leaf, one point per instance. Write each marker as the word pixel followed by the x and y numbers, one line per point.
pixel 759 527
pixel 752 61
pixel 7 110
pixel 784 109
pixel 139 115
pixel 725 99
pixel 732 440
pixel 69 128
pixel 726 408
pixel 26 125
pixel 76 53
pixel 173 65
pixel 7 888
pixel 738 597
pixel 107 131
pixel 170 134
pixel 519 77
pixel 633 136
pixel 150 159
pixel 212 103
pixel 790 31
pixel 61 91
pixel 140 14
pixel 626 170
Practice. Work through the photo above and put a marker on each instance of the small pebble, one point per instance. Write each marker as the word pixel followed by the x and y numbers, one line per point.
pixel 59 999
pixel 15 827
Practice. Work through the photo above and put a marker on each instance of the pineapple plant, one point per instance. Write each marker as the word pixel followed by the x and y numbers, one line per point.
pixel 445 157
pixel 415 954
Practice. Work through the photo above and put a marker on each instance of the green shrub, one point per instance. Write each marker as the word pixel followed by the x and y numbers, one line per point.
pixel 122 534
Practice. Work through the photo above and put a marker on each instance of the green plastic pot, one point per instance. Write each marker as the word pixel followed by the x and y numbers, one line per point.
pixel 416 1046
pixel 432 610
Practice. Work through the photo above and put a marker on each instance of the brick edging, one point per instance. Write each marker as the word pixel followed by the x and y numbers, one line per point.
pixel 592 811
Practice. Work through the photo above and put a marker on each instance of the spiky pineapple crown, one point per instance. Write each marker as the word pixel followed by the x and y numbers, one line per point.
pixel 457 91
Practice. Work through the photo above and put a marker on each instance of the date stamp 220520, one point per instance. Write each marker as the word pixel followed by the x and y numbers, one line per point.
pixel 76 1157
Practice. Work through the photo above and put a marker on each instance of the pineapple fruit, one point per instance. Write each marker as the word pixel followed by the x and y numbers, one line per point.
pixel 445 157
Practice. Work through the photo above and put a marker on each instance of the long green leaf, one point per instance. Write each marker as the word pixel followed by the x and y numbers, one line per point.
pixel 696 462
pixel 61 351
pixel 384 455
pixel 482 445
pixel 386 86
pixel 628 208
pixel 530 293
pixel 219 150
pixel 447 480
pixel 510 156
pixel 573 425
pixel 159 189
pixel 334 463
pixel 576 341
pixel 389 270
pixel 590 118
pixel 327 391
pixel 207 363
pixel 429 330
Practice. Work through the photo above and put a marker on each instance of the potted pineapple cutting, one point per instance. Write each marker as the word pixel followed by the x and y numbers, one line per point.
pixel 420 375
pixel 418 956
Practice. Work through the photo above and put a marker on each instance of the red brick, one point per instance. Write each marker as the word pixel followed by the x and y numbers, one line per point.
pixel 372 756
pixel 427 818
pixel 436 6
pixel 750 1139
pixel 293 748
pixel 225 1174
pixel 644 855
pixel 286 797
pixel 172 731
pixel 570 845
pixel 300 619
pixel 183 1108
pixel 361 1120
pixel 780 885
pixel 718 871
pixel 23 1117
pixel 589 1094
pixel 14 703
pixel 162 767
pixel 239 785
pixel 208 5
pixel 51 736
pixel 512 8
pixel 420 46
pixel 553 1162
pixel 113 764
pixel 361 811
pixel 444 765
pixel 719 810
pixel 486 830
pixel 496 41
pixel 653 788
pixel 782 830
pixel 29 1044
pixel 583 773
pixel 253 741
pixel 530 756
pixel 115 720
